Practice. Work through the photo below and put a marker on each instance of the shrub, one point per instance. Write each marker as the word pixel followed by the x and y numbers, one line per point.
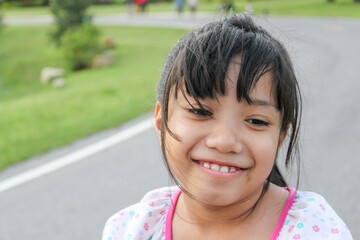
pixel 80 45
pixel 227 5
pixel 68 14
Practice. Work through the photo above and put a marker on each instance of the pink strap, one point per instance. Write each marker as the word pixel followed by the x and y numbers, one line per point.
pixel 284 213
pixel 274 236
pixel 170 215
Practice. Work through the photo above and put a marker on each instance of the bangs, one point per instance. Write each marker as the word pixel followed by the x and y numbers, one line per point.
pixel 202 64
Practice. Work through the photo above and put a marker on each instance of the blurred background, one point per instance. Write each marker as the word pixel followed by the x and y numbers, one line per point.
pixel 76 72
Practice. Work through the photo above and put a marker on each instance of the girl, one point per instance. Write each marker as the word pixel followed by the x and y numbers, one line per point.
pixel 227 99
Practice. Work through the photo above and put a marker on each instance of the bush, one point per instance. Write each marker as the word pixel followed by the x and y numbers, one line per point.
pixel 227 5
pixel 68 14
pixel 80 45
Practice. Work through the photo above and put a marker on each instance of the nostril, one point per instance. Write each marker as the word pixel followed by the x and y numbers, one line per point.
pixel 238 147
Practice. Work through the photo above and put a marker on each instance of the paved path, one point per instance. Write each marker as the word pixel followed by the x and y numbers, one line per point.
pixel 150 20
pixel 74 202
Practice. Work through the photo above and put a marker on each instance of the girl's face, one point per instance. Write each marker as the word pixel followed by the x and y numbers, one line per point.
pixel 226 152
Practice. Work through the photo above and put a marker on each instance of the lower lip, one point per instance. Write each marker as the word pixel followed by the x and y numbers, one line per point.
pixel 218 174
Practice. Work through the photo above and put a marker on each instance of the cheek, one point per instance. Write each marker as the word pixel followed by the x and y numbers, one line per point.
pixel 265 150
pixel 187 134
pixel 178 149
pixel 177 157
pixel 176 144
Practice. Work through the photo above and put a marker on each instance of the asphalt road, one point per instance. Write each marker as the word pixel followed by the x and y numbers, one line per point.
pixel 74 202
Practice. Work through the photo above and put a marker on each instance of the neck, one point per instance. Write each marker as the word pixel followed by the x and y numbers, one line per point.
pixel 203 214
pixel 194 219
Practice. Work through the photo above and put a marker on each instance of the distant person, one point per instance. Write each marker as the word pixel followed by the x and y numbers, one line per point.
pixel 227 102
pixel 141 5
pixel 249 8
pixel 193 4
pixel 130 7
pixel 179 6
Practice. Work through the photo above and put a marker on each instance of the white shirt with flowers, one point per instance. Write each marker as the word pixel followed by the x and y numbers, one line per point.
pixel 306 216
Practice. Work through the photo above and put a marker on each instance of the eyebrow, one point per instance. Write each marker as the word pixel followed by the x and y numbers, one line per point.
pixel 263 103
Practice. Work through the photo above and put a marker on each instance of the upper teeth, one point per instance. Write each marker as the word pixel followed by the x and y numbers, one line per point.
pixel 217 168
pixel 224 169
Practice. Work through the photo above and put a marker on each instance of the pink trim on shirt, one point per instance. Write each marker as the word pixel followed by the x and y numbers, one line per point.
pixel 274 236
pixel 170 215
pixel 284 213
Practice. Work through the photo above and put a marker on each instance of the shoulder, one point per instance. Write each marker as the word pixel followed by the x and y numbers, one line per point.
pixel 142 220
pixel 311 217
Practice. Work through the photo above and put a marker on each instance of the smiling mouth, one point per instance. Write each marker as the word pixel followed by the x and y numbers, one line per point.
pixel 219 168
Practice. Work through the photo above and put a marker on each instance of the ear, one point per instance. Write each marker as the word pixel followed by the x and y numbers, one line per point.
pixel 158 118
pixel 282 137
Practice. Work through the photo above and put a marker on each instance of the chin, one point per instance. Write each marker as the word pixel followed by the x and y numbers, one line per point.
pixel 218 197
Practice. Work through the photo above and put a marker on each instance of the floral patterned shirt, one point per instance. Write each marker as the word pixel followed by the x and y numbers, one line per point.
pixel 306 216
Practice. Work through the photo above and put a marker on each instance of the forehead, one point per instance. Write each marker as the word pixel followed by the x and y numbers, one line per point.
pixel 240 76
pixel 263 88
pixel 261 93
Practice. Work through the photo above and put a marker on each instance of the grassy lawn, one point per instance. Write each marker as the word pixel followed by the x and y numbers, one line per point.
pixel 36 118
pixel 340 8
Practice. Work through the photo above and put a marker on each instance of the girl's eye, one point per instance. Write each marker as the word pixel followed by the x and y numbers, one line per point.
pixel 258 122
pixel 200 112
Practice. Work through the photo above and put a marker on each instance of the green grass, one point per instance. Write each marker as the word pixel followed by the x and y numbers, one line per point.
pixel 22 61
pixel 340 8
pixel 36 118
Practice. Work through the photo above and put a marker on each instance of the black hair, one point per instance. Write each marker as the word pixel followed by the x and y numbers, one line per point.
pixel 199 63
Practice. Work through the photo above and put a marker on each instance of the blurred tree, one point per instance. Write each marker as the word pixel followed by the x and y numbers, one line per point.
pixel 45 2
pixel 68 14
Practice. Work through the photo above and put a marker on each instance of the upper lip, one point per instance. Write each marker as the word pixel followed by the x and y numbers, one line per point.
pixel 229 164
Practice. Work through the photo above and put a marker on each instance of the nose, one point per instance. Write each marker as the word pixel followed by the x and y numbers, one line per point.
pixel 225 138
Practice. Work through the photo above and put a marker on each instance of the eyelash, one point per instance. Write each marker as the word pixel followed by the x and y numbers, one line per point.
pixel 258 122
pixel 200 112
pixel 205 113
